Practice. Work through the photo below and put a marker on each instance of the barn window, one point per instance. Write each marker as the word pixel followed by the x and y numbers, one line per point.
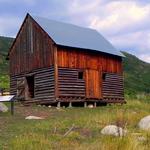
pixel 80 75
pixel 104 76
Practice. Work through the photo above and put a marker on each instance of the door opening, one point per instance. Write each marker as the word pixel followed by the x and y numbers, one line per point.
pixel 30 86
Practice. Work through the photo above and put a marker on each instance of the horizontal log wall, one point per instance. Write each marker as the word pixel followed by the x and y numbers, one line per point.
pixel 44 85
pixel 13 85
pixel 43 82
pixel 72 88
pixel 69 86
pixel 112 86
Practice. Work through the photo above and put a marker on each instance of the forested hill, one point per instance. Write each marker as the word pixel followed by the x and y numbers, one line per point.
pixel 137 72
pixel 5 43
pixel 137 75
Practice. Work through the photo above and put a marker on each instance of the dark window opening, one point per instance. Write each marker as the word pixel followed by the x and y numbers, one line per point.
pixel 80 75
pixel 30 84
pixel 104 76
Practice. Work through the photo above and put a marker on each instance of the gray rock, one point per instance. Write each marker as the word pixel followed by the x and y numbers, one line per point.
pixel 3 107
pixel 90 106
pixel 34 118
pixel 144 123
pixel 113 130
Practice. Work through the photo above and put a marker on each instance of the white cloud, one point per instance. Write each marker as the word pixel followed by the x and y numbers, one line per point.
pixel 78 6
pixel 120 15
pixel 145 57
pixel 138 43
pixel 8 24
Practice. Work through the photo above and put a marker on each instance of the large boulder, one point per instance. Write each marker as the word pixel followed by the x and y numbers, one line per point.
pixel 113 130
pixel 34 118
pixel 3 107
pixel 144 123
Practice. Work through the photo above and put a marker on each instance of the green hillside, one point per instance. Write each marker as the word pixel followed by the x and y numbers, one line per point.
pixel 137 75
pixel 5 43
pixel 137 72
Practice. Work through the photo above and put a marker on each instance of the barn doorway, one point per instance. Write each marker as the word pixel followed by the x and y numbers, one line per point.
pixel 93 84
pixel 30 86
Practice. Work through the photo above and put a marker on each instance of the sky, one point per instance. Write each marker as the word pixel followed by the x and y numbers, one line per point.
pixel 125 23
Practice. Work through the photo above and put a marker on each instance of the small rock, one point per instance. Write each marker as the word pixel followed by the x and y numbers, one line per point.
pixel 134 112
pixel 33 117
pixel 90 106
pixel 144 123
pixel 113 130
pixel 49 106
pixel 3 107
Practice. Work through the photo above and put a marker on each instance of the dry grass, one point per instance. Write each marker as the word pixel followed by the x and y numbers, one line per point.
pixel 16 133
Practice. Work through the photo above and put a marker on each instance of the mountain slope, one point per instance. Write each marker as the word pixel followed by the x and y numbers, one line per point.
pixel 137 75
pixel 137 72
pixel 5 43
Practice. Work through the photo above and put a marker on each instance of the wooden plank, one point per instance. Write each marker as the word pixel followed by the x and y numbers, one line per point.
pixel 113 86
pixel 56 71
pixel 93 84
pixel 69 84
pixel 31 50
pixel 76 58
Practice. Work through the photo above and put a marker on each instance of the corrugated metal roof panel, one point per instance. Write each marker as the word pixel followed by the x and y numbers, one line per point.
pixel 74 36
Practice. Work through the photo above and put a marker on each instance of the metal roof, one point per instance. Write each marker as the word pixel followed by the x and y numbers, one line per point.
pixel 74 36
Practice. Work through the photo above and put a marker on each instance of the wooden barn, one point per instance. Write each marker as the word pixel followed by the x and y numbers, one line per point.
pixel 55 62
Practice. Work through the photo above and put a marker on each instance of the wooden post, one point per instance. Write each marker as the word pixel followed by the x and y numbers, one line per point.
pixel 58 104
pixel 56 72
pixel 85 104
pixel 95 104
pixel 70 104
pixel 2 90
pixel 12 107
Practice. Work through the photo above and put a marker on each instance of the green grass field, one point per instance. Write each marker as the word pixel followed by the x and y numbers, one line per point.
pixel 16 133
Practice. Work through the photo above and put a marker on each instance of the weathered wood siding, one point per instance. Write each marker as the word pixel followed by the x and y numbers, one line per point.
pixel 113 86
pixel 13 85
pixel 32 49
pixel 98 63
pixel 84 59
pixel 43 87
pixel 44 84
pixel 69 86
